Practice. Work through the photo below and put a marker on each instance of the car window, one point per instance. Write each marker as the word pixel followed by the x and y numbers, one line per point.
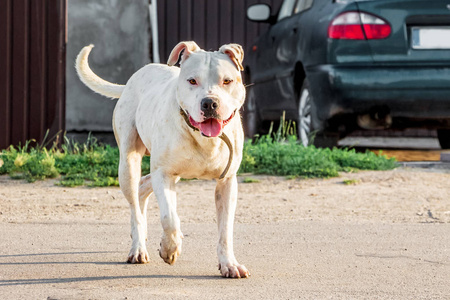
pixel 286 9
pixel 302 5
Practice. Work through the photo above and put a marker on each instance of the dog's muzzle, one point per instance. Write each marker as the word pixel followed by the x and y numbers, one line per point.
pixel 212 125
pixel 223 137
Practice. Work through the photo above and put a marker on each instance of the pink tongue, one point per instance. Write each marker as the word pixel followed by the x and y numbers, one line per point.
pixel 211 127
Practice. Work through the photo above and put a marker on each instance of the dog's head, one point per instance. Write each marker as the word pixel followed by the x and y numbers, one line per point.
pixel 210 88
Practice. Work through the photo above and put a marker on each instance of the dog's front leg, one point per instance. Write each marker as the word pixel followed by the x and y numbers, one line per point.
pixel 164 188
pixel 226 198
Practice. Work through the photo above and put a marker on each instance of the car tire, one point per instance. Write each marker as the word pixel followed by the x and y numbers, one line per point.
pixel 304 127
pixel 250 116
pixel 306 133
pixel 444 138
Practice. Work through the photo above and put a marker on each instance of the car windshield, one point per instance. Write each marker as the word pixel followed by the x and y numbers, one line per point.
pixel 348 1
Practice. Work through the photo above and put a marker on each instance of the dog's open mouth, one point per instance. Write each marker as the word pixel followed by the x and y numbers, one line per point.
pixel 211 127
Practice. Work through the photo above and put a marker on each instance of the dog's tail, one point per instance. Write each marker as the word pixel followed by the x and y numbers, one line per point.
pixel 91 80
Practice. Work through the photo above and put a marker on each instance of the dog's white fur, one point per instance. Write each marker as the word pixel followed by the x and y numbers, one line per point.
pixel 147 120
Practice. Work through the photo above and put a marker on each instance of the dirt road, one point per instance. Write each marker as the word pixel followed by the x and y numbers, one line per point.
pixel 366 235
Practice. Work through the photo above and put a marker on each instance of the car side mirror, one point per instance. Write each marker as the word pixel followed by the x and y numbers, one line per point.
pixel 259 13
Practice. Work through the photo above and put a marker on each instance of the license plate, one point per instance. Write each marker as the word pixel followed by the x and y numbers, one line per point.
pixel 430 37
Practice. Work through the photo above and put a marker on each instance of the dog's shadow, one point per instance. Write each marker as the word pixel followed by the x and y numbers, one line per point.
pixel 14 282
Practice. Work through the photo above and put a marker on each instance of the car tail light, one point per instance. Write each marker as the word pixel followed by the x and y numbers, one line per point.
pixel 354 25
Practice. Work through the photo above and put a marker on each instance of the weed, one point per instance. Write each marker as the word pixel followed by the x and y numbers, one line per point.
pixel 27 163
pixel 351 181
pixel 250 180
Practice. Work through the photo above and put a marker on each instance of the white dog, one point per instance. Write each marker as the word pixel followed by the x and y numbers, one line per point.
pixel 176 115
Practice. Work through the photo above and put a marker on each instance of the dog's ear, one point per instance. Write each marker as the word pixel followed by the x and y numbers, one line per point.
pixel 235 52
pixel 188 48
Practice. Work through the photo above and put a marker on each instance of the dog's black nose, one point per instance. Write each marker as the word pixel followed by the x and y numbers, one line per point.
pixel 209 105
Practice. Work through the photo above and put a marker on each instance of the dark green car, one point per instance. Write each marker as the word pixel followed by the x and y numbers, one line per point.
pixel 337 66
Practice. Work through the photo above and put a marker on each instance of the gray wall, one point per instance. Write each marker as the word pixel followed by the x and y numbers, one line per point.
pixel 119 29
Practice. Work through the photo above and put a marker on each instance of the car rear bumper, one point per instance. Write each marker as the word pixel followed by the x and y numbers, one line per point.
pixel 405 91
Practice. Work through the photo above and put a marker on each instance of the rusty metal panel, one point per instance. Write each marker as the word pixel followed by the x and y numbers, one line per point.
pixel 56 65
pixel 210 23
pixel 37 70
pixel 32 62
pixel 19 72
pixel 5 71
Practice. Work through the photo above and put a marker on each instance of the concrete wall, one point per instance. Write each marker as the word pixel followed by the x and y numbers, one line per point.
pixel 119 29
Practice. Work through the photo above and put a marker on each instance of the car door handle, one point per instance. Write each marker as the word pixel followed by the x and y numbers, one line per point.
pixel 294 29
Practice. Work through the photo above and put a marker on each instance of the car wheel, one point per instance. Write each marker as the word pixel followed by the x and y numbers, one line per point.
pixel 444 138
pixel 304 114
pixel 251 120
pixel 306 132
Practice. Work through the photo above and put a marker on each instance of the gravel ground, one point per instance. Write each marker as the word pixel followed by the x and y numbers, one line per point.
pixel 365 235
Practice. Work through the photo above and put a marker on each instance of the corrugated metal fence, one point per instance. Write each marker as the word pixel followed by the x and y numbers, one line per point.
pixel 32 69
pixel 210 23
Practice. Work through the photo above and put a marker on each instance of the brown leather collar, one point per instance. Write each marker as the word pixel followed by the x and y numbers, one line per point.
pixel 223 137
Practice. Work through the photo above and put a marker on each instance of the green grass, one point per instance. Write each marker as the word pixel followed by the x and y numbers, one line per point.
pixel 279 153
pixel 78 164
pixel 290 159
pixel 93 164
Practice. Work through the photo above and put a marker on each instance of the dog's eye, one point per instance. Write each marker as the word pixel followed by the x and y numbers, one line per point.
pixel 227 81
pixel 192 81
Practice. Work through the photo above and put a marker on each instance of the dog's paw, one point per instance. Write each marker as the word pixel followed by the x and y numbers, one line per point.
pixel 233 270
pixel 138 256
pixel 170 247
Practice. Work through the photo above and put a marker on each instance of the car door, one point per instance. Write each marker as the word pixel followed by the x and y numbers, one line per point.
pixel 278 59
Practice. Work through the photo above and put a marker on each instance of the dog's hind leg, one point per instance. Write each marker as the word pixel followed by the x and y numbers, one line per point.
pixel 145 190
pixel 131 152
pixel 226 198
